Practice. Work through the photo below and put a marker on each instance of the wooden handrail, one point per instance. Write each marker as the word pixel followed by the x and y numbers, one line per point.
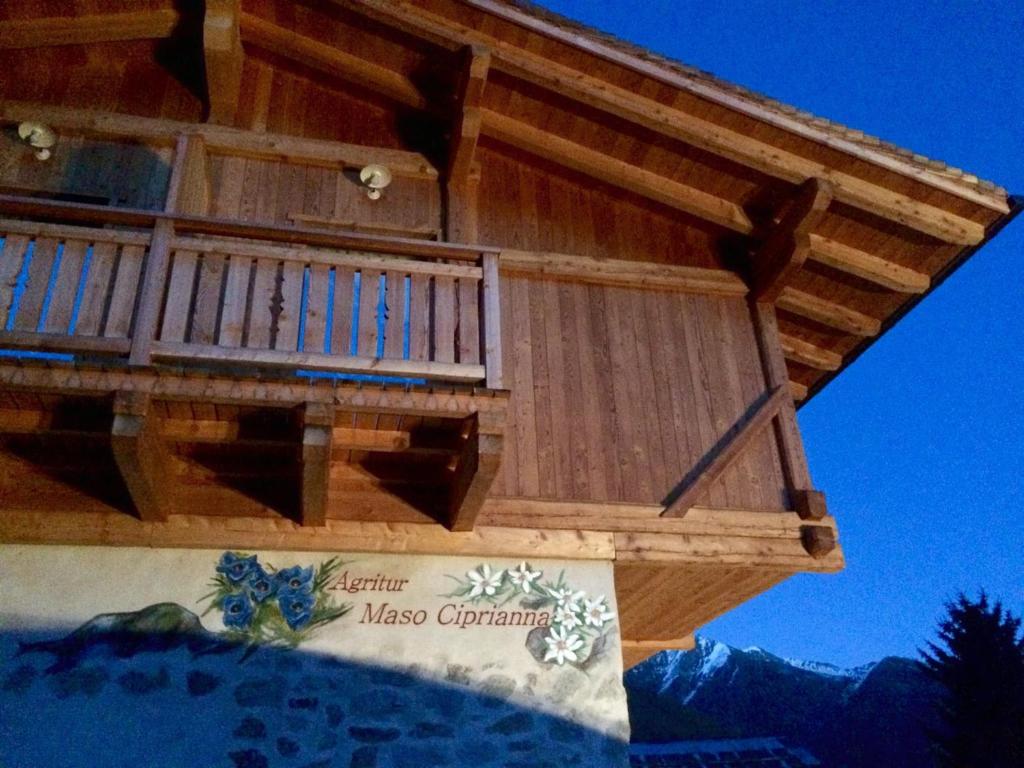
pixel 399 246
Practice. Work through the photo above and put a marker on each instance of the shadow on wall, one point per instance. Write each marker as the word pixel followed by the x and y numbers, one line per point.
pixel 108 694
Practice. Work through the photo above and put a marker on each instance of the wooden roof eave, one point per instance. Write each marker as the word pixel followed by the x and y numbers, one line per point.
pixel 1015 205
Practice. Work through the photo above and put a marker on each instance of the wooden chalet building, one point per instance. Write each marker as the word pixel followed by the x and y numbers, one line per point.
pixel 576 324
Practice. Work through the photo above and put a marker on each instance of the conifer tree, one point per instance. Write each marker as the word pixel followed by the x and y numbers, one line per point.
pixel 979 660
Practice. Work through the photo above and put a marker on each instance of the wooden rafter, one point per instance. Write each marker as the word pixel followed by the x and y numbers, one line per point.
pixel 140 456
pixel 725 451
pixel 868 266
pixel 676 124
pixel 474 474
pixel 88 29
pixel 331 60
pixel 788 243
pixel 617 173
pixel 808 354
pixel 223 55
pixel 827 312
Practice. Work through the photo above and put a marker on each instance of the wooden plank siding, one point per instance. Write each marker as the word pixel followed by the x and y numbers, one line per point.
pixel 617 393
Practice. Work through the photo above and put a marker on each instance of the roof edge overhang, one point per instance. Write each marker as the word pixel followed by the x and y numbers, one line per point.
pixel 537 19
pixel 1015 205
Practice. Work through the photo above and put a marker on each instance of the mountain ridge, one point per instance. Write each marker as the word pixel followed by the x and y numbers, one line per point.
pixel 869 715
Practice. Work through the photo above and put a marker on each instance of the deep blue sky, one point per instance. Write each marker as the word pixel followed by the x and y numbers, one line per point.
pixel 919 445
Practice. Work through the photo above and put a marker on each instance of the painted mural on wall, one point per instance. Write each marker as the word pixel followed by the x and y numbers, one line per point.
pixel 142 657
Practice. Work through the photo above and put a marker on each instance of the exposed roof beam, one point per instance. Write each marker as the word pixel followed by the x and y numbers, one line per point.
pixel 615 172
pixel 331 60
pixel 83 30
pixel 222 53
pixel 788 243
pixel 827 313
pixel 868 266
pixel 805 353
pixel 218 138
pixel 679 125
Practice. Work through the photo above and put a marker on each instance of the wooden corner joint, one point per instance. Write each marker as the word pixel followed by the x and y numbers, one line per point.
pixel 817 540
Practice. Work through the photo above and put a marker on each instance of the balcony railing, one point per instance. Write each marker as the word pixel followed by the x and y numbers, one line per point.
pixel 195 291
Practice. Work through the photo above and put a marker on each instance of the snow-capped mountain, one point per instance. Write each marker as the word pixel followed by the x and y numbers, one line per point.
pixel 870 715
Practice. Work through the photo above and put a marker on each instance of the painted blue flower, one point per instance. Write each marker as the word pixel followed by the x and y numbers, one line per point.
pixel 296 607
pixel 295 579
pixel 238 610
pixel 236 567
pixel 261 584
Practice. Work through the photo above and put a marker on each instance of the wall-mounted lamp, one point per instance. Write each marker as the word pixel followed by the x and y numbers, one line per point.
pixel 38 136
pixel 375 178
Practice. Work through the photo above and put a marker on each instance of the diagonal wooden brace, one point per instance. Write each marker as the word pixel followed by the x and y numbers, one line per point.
pixel 725 451
pixel 140 455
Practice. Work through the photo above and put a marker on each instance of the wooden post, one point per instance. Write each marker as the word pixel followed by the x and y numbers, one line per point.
pixel 317 436
pixel 188 192
pixel 492 322
pixel 787 433
pixel 140 456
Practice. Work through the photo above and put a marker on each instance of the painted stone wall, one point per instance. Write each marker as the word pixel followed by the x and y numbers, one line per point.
pixel 141 657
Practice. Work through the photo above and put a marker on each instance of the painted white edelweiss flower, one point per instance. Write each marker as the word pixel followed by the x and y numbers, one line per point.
pixel 596 613
pixel 484 581
pixel 523 577
pixel 566 598
pixel 562 646
pixel 567 618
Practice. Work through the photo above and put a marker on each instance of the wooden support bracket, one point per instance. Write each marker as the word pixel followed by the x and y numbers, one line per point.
pixel 788 244
pixel 223 55
pixel 725 451
pixel 317 436
pixel 462 175
pixel 140 456
pixel 474 473
pixel 810 505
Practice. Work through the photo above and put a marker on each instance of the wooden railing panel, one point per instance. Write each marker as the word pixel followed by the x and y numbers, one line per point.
pixel 11 259
pixel 93 310
pixel 210 270
pixel 290 311
pixel 236 295
pixel 65 287
pixel 36 276
pixel 469 321
pixel 341 325
pixel 420 304
pixel 262 306
pixel 394 334
pixel 315 332
pixel 212 296
pixel 369 306
pixel 178 304
pixel 125 292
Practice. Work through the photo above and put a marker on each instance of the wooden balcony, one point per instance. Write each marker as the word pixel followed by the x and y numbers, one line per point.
pixel 196 363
